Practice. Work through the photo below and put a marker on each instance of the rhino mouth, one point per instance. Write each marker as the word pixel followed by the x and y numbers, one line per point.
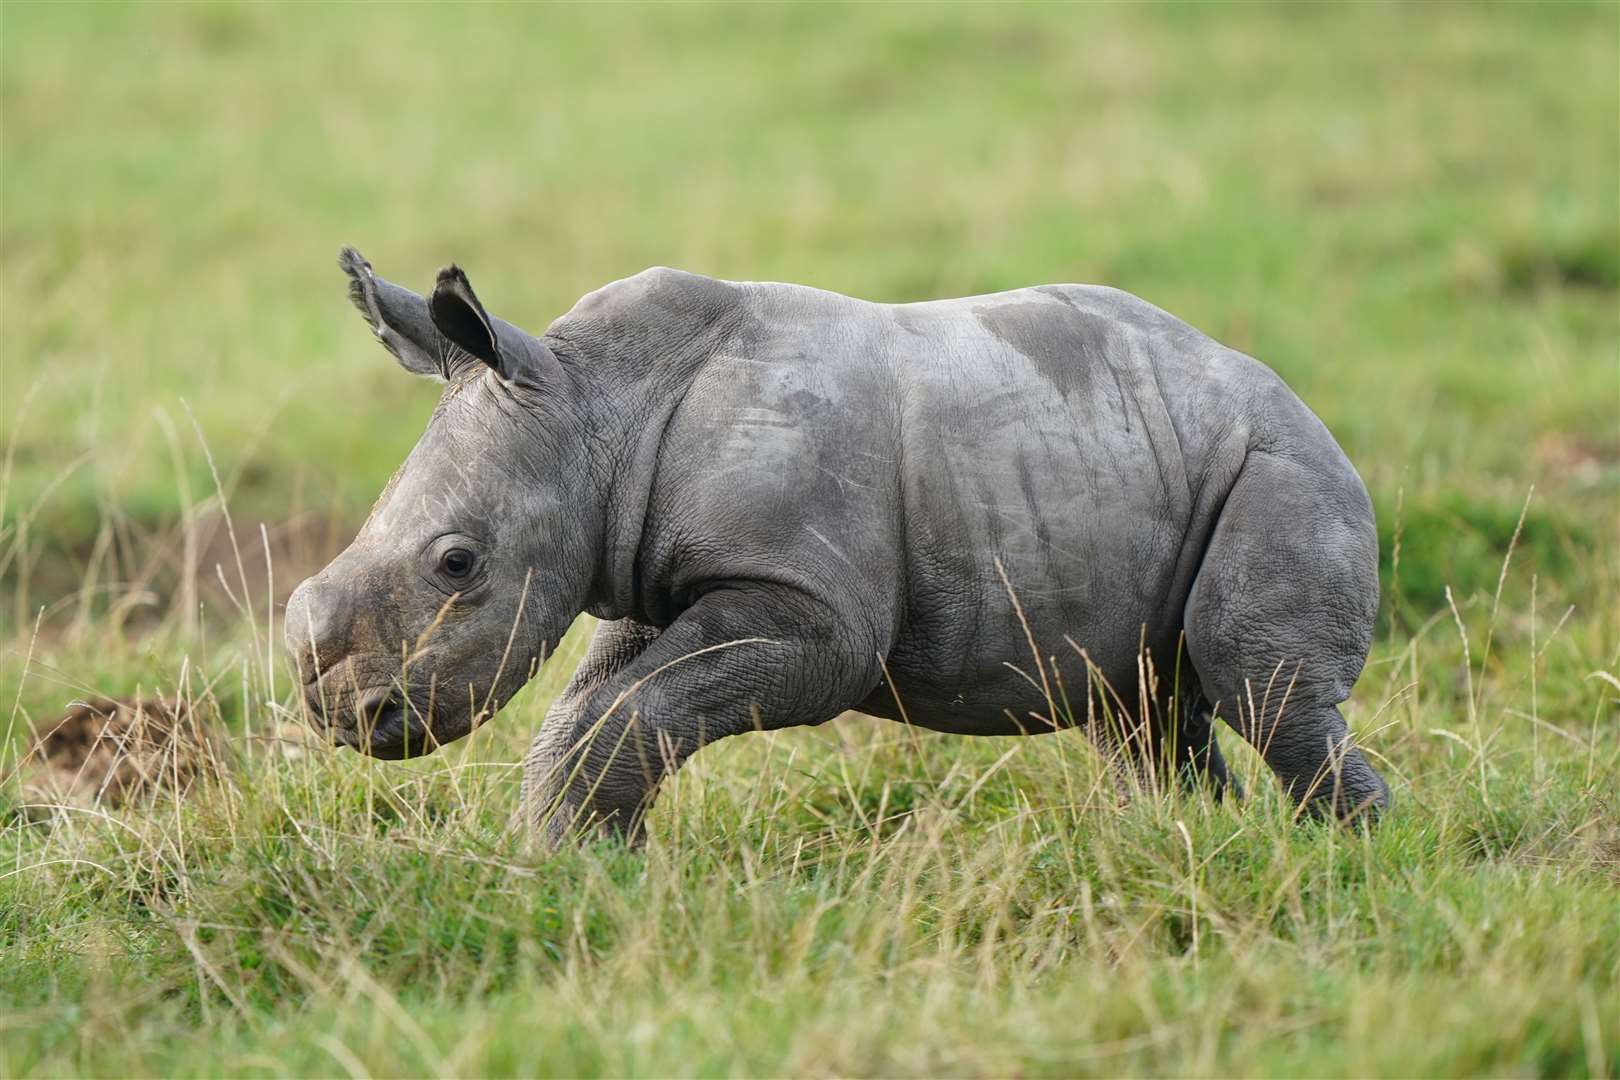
pixel 383 724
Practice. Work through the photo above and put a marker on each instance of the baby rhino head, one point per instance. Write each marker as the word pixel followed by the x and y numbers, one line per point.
pixel 478 554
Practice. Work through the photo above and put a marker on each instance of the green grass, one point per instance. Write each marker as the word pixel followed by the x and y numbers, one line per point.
pixel 1409 211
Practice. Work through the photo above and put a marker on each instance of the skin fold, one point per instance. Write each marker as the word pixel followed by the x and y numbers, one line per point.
pixel 994 515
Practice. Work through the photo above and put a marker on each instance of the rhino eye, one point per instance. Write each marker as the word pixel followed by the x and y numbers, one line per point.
pixel 456 563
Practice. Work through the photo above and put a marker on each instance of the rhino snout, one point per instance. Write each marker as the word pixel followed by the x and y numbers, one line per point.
pixel 312 629
pixel 346 691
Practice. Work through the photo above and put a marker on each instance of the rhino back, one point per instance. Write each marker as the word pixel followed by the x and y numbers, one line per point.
pixel 906 464
pixel 1042 464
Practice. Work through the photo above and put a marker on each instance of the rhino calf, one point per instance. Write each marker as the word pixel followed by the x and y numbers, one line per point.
pixel 994 515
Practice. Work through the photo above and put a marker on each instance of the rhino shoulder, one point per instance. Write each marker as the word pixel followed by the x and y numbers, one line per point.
pixel 657 290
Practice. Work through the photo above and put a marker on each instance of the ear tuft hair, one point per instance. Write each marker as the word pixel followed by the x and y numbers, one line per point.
pixel 353 263
pixel 397 317
pixel 362 294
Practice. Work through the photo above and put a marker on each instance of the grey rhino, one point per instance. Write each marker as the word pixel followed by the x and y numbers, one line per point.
pixel 996 515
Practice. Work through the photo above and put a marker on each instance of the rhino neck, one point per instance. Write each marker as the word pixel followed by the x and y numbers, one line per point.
pixel 631 350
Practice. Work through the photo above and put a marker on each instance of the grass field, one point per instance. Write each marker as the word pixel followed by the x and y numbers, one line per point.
pixel 1409 211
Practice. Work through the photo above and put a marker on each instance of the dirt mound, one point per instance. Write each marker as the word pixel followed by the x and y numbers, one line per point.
pixel 112 753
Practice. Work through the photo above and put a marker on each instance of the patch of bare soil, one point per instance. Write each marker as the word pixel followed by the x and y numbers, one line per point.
pixel 1567 460
pixel 114 753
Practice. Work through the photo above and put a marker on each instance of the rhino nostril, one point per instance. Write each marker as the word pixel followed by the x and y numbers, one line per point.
pixel 379 708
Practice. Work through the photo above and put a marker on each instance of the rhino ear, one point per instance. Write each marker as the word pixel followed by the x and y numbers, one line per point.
pixel 461 318
pixel 398 317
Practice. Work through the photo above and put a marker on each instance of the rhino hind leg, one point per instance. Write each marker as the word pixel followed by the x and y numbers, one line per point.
pixel 1280 619
pixel 1197 754
pixel 1176 741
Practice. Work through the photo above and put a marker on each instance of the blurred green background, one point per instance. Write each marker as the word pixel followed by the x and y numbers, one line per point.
pixel 1408 211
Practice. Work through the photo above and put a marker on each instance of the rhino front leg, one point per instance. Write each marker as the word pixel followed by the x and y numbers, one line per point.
pixel 741 658
pixel 613 646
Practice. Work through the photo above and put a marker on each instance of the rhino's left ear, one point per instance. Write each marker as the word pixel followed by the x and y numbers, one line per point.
pixel 462 319
pixel 460 316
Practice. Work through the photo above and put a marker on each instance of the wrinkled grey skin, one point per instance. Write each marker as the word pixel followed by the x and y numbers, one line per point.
pixel 784 503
